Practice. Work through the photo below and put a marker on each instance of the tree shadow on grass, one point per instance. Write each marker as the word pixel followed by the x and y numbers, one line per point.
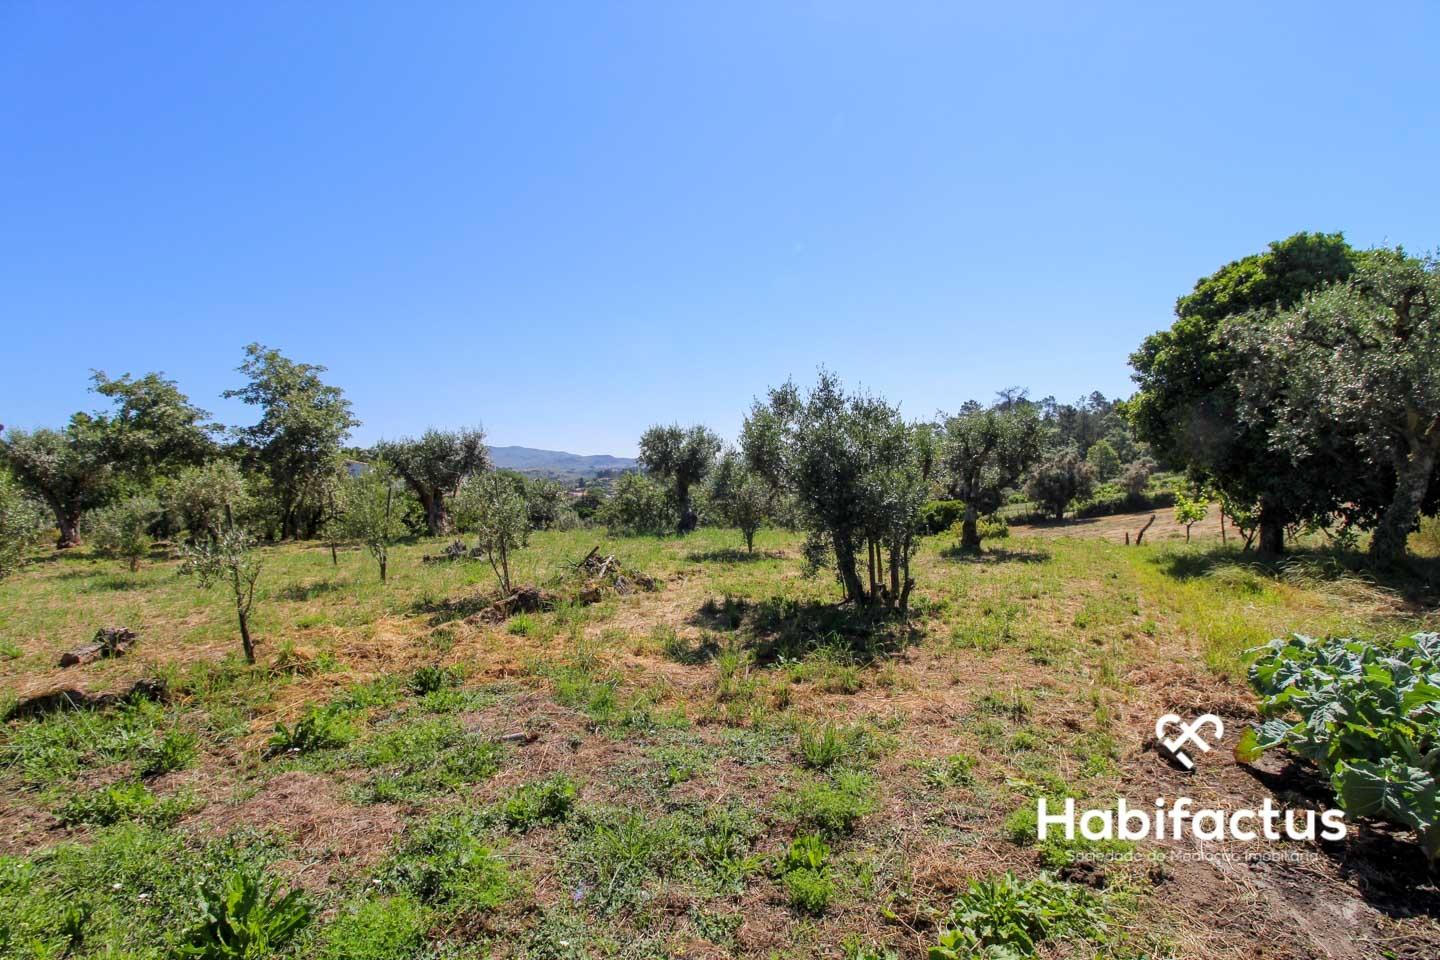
pixel 781 628
pixel 113 583
pixel 301 592
pixel 453 608
pixel 1417 580
pixel 730 555
pixel 993 555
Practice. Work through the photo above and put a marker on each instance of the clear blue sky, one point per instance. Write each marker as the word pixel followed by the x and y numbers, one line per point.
pixel 570 220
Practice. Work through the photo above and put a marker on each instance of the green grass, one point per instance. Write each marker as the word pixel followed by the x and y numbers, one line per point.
pixel 622 778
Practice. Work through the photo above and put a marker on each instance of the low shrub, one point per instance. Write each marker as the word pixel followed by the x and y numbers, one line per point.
pixel 937 516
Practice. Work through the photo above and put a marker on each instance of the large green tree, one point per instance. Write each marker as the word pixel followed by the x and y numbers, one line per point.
pixel 1188 405
pixel 683 457
pixel 434 465
pixel 154 427
pixel 1357 359
pixel 70 470
pixel 983 451
pixel 303 422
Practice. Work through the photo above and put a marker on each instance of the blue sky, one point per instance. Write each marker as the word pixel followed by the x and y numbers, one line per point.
pixel 570 220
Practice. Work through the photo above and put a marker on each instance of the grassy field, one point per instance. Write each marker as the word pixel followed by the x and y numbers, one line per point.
pixel 727 765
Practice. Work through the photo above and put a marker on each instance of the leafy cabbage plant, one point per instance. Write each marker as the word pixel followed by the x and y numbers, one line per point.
pixel 1369 716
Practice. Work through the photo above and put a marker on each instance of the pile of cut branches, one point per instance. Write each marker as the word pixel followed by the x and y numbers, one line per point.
pixel 601 575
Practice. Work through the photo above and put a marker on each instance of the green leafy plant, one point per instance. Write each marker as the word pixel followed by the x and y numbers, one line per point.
pixel 805 874
pixel 432 677
pixel 1367 716
pixel 822 745
pixel 1006 919
pixel 245 918
pixel 319 729
pixel 542 802
pixel 127 800
pixel 176 750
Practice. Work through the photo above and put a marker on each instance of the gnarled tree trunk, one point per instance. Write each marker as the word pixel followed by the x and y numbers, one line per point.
pixel 1412 482
pixel 1272 530
pixel 969 532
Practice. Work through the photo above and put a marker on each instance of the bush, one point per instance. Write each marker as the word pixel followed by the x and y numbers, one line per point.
pixel 1059 481
pixel 122 530
pixel 22 522
pixel 638 506
pixel 937 516
pixel 993 527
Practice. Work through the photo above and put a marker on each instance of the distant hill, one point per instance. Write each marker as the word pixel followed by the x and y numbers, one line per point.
pixel 530 460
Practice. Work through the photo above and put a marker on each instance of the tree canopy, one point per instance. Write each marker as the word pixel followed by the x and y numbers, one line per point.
pixel 434 465
pixel 683 456
pixel 302 423
pixel 1188 405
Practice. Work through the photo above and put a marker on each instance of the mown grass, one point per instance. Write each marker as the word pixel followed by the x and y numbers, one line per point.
pixel 626 778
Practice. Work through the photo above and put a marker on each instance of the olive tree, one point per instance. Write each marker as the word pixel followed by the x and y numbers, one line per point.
pixel 742 498
pixel 373 514
pixel 433 467
pixel 984 451
pixel 1059 481
pixel 636 506
pixel 858 474
pixel 489 506
pixel 202 501
pixel 229 558
pixel 69 470
pixel 683 456
pixel 122 529
pixel 1359 358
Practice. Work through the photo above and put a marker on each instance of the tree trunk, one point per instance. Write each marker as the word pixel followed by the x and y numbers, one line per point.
pixel 969 533
pixel 849 577
pixel 1223 538
pixel 1412 482
pixel 334 555
pixel 69 523
pixel 688 520
pixel 749 540
pixel 384 565
pixel 437 521
pixel 1272 531
pixel 245 640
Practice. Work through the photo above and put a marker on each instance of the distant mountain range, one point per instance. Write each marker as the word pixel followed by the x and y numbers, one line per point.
pixel 530 460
